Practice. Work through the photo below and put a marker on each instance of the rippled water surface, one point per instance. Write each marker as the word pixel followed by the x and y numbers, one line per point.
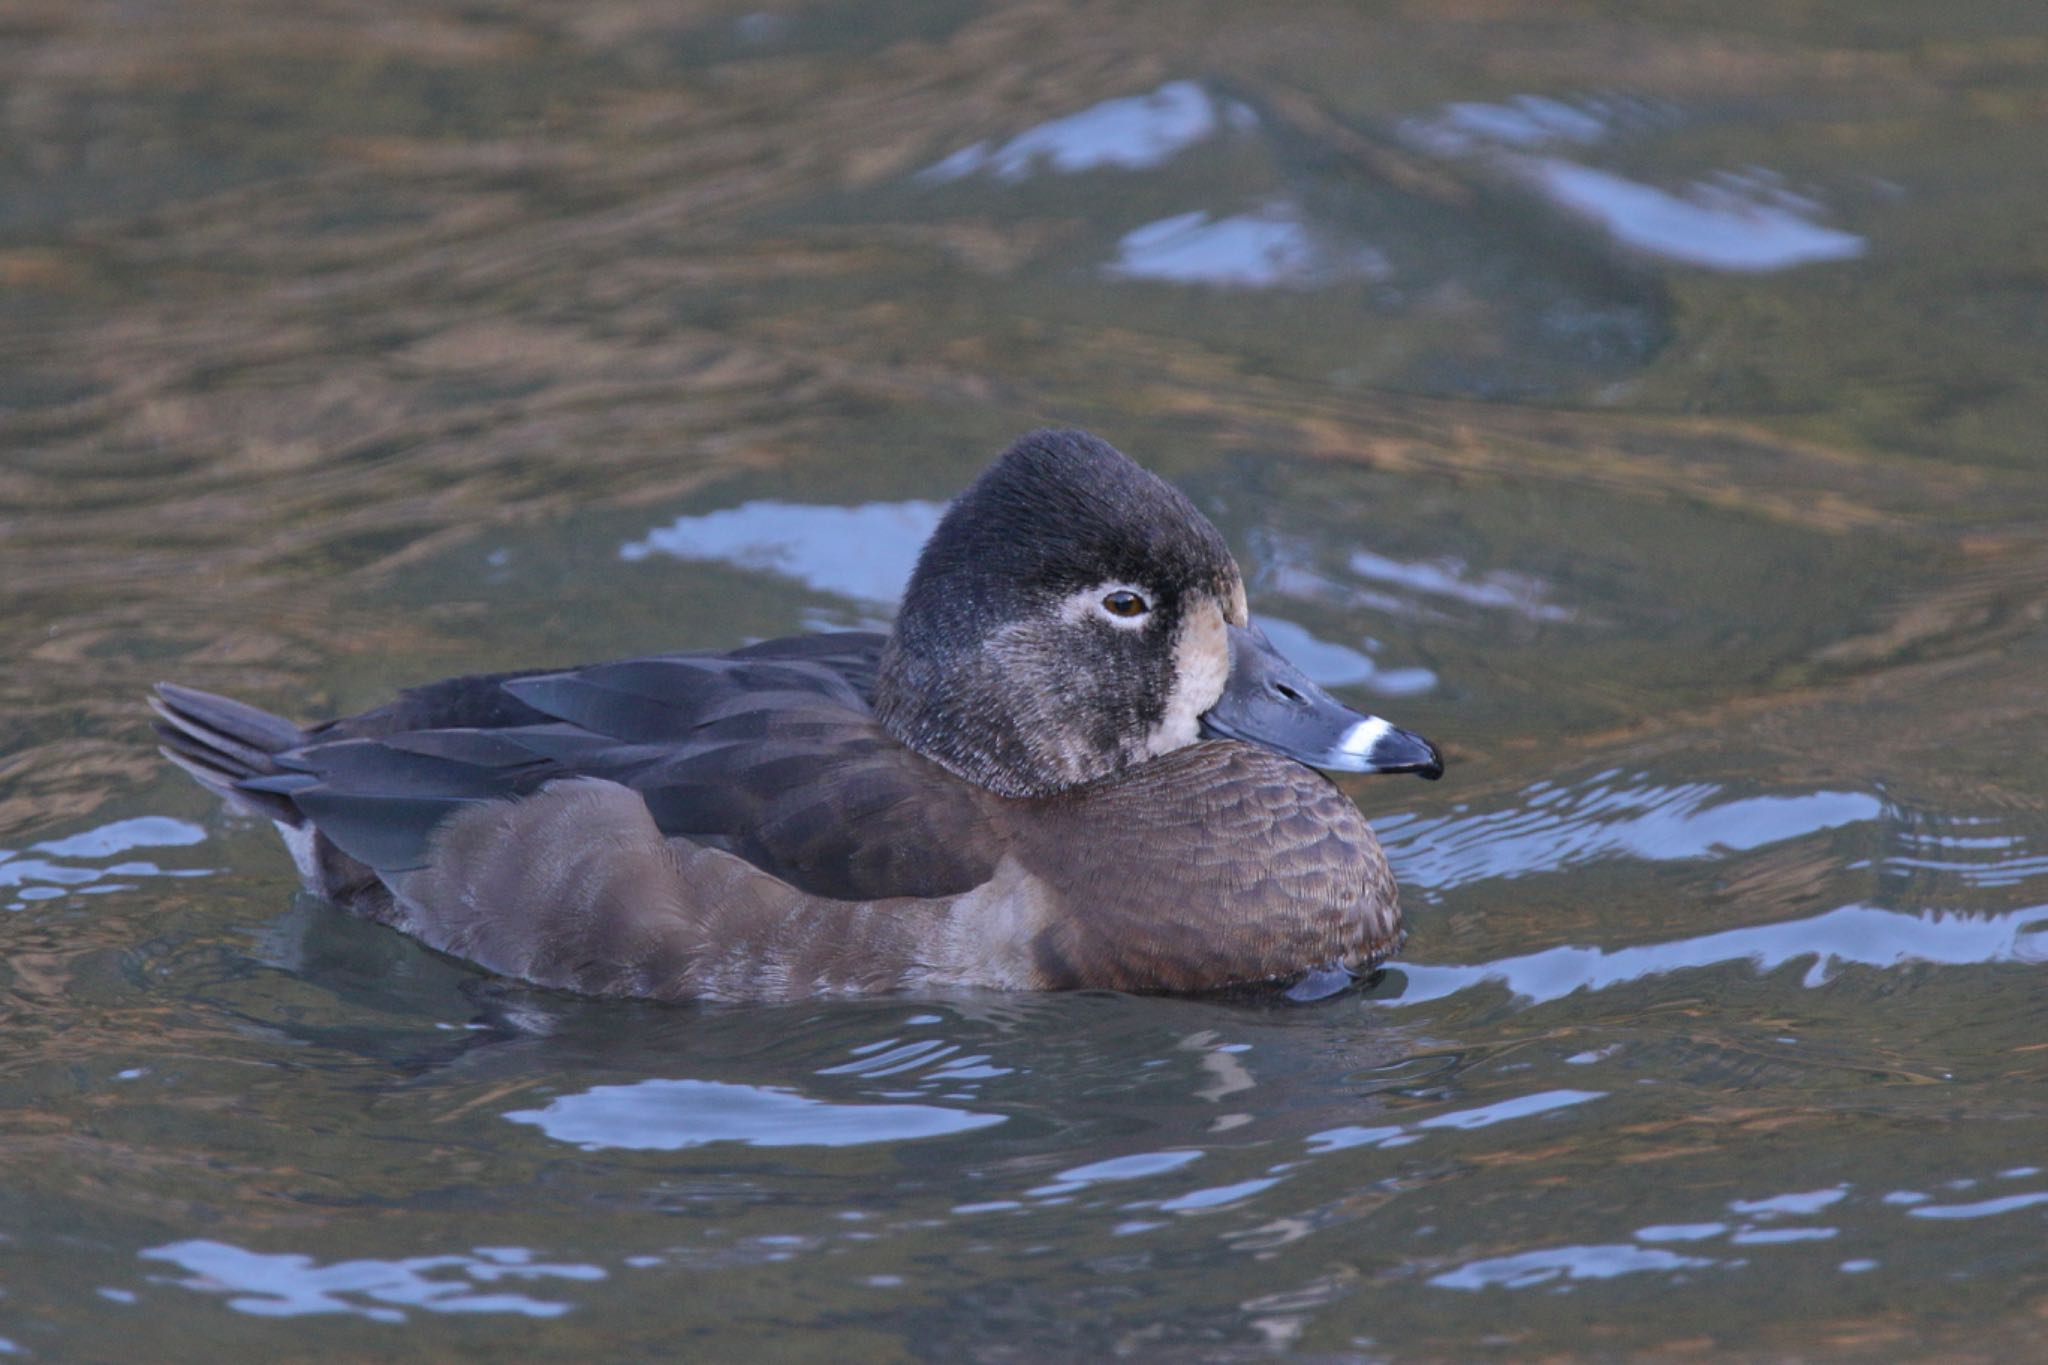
pixel 1647 406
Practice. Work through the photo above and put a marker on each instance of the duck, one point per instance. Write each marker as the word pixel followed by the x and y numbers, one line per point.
pixel 1073 762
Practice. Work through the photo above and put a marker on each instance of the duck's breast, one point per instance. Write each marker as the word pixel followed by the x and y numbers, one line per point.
pixel 1220 864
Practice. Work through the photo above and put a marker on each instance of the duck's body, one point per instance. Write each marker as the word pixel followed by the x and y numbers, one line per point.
pixel 1010 791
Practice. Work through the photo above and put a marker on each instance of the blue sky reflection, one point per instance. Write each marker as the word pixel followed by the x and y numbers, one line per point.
pixel 1853 934
pixel 670 1115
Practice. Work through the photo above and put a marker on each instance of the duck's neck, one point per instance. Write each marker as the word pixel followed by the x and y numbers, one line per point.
pixel 957 713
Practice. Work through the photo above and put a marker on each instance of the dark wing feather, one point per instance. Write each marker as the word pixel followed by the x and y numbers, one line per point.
pixel 478 701
pixel 772 754
pixel 855 655
pixel 379 801
pixel 843 812
pixel 654 700
pixel 483 701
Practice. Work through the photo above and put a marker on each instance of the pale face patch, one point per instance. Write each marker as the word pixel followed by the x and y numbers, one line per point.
pixel 1237 611
pixel 1201 665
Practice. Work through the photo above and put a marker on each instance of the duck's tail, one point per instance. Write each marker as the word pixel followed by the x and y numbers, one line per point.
pixel 223 743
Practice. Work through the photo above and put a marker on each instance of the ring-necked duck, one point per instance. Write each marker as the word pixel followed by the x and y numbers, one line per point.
pixel 1074 762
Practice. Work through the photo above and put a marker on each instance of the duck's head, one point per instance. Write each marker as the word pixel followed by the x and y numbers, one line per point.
pixel 1074 615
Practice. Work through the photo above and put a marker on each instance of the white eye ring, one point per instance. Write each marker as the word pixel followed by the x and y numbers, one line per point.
pixel 1094 603
pixel 1138 609
pixel 1125 605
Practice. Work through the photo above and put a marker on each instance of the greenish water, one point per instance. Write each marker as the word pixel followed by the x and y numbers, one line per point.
pixel 1645 403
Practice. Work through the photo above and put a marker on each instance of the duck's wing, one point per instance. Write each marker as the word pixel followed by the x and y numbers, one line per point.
pixel 486 701
pixel 771 754
pixel 854 655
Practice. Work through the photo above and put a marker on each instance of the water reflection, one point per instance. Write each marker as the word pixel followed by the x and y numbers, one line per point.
pixel 1136 1166
pixel 1416 590
pixel 1749 220
pixel 1270 244
pixel 1567 1262
pixel 1551 827
pixel 1808 1201
pixel 864 552
pixel 1451 578
pixel 1270 247
pixel 1852 934
pixel 670 1115
pixel 1766 1222
pixel 1149 1165
pixel 290 1285
pixel 890 1057
pixel 1214 1197
pixel 1134 133
pixel 1978 856
pixel 1680 1232
pixel 1777 1236
pixel 1985 1208
pixel 63 867
pixel 1729 222
pixel 1459 1120
pixel 1600 1262
pixel 1466 127
pixel 1335 665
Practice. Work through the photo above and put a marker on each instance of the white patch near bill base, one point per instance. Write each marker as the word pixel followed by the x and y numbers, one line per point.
pixel 1201 667
pixel 1359 740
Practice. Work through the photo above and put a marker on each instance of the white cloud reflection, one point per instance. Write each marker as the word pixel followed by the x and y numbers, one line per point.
pixel 1552 827
pixel 1452 579
pixel 865 552
pixel 1563 1263
pixel 289 1285
pixel 1727 223
pixel 76 865
pixel 1137 132
pixel 670 1115
pixel 1734 221
pixel 1853 934
pixel 1270 247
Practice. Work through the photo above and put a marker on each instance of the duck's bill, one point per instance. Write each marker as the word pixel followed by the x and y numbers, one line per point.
pixel 1270 702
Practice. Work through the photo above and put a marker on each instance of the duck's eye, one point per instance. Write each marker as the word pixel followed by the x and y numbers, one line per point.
pixel 1125 604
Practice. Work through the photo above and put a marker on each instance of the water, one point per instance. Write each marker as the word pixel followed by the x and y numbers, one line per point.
pixel 1647 409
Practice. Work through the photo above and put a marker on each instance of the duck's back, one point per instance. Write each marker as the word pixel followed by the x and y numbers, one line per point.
pixel 770 753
